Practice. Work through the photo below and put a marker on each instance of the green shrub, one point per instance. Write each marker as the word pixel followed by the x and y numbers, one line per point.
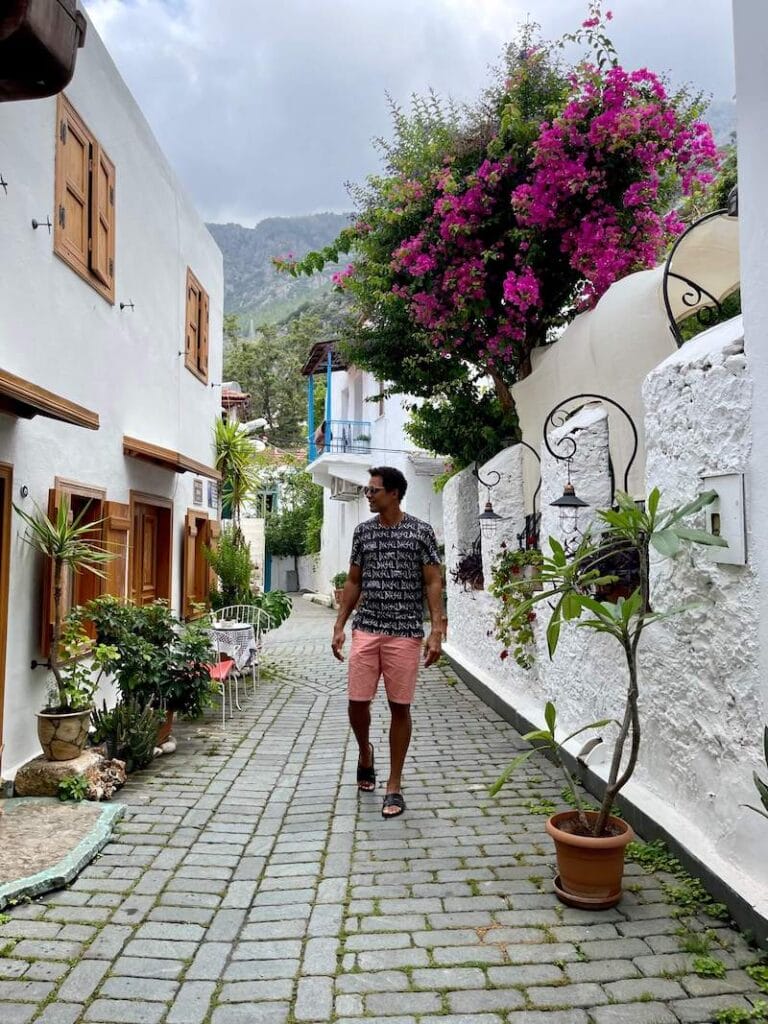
pixel 129 730
pixel 231 561
pixel 73 787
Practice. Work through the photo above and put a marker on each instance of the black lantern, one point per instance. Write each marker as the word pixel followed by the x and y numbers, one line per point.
pixel 488 519
pixel 568 508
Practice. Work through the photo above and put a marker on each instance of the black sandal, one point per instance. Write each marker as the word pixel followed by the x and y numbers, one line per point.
pixel 367 774
pixel 393 800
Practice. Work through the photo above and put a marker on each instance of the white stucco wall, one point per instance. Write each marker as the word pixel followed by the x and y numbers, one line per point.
pixel 59 333
pixel 701 686
pixel 308 569
pixel 750 24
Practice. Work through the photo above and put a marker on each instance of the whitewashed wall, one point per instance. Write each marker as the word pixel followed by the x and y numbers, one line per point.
pixel 701 688
pixel 56 331
pixel 309 573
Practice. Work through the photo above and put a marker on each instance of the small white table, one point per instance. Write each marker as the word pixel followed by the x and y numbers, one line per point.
pixel 236 640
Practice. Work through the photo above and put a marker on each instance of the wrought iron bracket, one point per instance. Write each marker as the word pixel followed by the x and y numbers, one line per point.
pixel 558 416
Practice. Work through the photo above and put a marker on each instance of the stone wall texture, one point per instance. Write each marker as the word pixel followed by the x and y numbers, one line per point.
pixel 700 683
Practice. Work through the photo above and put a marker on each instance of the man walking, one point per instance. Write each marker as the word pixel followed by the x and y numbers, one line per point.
pixel 394 561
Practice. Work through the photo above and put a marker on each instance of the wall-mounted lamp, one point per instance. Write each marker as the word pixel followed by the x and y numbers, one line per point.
pixel 570 503
pixel 24 491
pixel 488 519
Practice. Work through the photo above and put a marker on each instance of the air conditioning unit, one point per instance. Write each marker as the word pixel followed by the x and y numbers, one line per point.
pixel 344 490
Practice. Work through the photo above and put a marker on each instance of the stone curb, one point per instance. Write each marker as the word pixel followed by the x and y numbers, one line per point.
pixel 69 866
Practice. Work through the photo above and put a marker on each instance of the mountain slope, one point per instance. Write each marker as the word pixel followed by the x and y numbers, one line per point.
pixel 252 287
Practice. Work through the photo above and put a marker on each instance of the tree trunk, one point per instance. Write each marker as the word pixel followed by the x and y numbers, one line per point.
pixel 502 392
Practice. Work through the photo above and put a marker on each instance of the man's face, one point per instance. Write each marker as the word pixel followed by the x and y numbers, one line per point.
pixel 379 499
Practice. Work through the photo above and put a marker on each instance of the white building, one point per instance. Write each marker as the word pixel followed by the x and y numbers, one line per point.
pixel 359 434
pixel 110 340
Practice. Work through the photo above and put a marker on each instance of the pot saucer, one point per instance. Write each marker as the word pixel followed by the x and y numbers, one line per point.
pixel 584 902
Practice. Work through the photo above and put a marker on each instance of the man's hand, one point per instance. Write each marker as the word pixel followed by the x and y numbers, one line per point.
pixel 432 648
pixel 337 643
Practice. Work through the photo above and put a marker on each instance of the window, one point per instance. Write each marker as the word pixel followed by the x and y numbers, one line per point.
pixel 110 532
pixel 84 215
pixel 196 345
pixel 151 548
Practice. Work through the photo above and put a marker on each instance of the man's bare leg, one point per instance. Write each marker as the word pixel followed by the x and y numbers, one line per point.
pixel 360 720
pixel 399 739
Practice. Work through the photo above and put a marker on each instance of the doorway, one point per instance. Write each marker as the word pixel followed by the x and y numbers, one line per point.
pixel 151 548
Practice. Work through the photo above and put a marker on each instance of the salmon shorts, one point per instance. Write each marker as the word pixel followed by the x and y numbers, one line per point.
pixel 374 655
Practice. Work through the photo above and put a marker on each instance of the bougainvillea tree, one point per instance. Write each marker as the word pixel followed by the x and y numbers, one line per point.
pixel 493 227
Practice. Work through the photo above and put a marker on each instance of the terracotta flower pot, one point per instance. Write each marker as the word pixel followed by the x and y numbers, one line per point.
pixel 590 869
pixel 63 734
pixel 164 731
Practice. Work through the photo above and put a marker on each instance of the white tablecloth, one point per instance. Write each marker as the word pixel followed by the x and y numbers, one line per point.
pixel 237 642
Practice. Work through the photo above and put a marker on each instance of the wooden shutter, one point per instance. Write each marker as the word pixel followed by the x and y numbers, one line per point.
pixel 188 570
pixel 202 338
pixel 192 321
pixel 213 533
pixel 72 185
pixel 116 528
pixel 102 210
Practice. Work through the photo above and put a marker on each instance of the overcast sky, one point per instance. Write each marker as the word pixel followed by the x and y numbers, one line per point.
pixel 266 107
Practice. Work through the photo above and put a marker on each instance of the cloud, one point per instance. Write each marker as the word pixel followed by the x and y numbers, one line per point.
pixel 266 107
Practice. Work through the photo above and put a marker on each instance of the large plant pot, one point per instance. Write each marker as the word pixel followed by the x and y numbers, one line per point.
pixel 164 730
pixel 63 735
pixel 590 869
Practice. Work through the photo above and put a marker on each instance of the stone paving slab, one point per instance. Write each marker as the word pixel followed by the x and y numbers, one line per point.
pixel 250 883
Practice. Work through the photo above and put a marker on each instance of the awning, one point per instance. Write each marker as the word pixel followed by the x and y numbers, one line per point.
pixel 317 360
pixel 19 397
pixel 167 458
pixel 702 269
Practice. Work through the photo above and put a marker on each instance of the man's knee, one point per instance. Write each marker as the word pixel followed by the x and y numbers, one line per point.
pixel 357 707
pixel 400 710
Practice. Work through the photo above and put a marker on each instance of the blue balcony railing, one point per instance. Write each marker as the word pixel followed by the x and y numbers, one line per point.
pixel 352 436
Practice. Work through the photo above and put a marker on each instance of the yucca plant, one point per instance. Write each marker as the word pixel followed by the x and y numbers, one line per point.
pixel 68 545
pixel 235 460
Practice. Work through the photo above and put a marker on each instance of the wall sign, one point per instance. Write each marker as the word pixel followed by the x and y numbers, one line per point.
pixel 197 492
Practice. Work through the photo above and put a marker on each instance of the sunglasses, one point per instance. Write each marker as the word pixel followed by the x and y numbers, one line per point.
pixel 373 490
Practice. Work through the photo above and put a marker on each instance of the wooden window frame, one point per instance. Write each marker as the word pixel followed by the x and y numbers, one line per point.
pixel 96 264
pixel 196 328
pixel 166 504
pixel 75 592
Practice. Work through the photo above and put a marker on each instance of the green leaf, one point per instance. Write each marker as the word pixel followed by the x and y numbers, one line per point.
pixel 571 606
pixel 558 552
pixel 762 789
pixel 604 611
pixel 700 536
pixel 592 725
pixel 765 743
pixel 666 542
pixel 653 502
pixel 553 635
pixel 753 808
pixel 538 734
pixel 704 499
pixel 509 771
pixel 550 716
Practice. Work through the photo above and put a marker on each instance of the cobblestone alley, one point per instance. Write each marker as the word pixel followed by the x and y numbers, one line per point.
pixel 250 884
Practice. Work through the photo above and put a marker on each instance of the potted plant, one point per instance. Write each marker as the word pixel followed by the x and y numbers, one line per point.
pixel 469 569
pixel 337 583
pixel 128 731
pixel 581 836
pixel 159 660
pixel 62 727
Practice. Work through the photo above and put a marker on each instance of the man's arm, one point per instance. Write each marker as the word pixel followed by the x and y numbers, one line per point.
pixel 349 599
pixel 433 584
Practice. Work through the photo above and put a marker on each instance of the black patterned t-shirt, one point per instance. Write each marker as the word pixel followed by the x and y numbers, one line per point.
pixel 391 559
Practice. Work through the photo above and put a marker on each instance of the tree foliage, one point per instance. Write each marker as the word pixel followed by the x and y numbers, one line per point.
pixel 493 225
pixel 294 529
pixel 268 367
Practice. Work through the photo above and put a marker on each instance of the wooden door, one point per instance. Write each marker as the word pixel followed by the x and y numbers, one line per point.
pixel 151 557
pixel 6 490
